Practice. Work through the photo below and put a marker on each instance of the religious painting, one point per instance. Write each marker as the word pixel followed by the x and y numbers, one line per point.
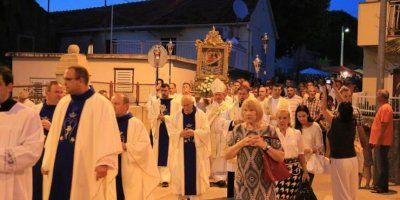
pixel 396 83
pixel 213 61
pixel 212 57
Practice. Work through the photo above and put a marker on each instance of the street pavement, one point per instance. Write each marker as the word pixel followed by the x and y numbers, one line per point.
pixel 321 186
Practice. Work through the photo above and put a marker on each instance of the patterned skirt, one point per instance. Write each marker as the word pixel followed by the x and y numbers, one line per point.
pixel 287 189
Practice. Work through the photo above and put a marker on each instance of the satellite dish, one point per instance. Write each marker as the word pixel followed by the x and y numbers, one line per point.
pixel 240 9
pixel 157 56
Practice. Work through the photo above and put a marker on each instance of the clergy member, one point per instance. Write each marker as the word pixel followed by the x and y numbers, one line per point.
pixel 159 114
pixel 216 118
pixel 137 168
pixel 54 92
pixel 274 103
pixel 21 143
pixel 82 147
pixel 191 141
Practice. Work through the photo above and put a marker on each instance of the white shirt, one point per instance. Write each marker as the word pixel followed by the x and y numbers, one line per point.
pixel 274 105
pixel 312 137
pixel 292 142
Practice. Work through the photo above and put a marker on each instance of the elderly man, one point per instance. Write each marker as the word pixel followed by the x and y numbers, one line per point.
pixel 313 103
pixel 54 92
pixel 21 143
pixel 216 118
pixel 275 103
pixel 159 117
pixel 191 142
pixel 381 139
pixel 82 147
pixel 137 169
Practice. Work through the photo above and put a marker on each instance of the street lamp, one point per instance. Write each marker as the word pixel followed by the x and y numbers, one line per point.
pixel 344 30
pixel 157 57
pixel 257 63
pixel 170 47
pixel 265 41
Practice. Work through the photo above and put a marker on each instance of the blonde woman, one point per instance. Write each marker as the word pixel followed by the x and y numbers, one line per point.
pixel 295 161
pixel 248 142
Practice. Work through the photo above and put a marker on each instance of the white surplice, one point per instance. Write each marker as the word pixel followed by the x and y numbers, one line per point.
pixel 21 145
pixel 203 149
pixel 97 143
pixel 153 113
pixel 218 123
pixel 139 168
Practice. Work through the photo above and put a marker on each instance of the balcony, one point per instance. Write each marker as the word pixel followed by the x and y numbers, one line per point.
pixel 238 57
pixel 394 18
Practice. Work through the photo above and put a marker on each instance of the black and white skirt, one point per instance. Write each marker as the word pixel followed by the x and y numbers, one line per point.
pixel 287 189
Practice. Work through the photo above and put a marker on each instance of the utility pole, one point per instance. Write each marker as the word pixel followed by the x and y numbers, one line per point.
pixel 105 26
pixel 381 45
pixel 111 29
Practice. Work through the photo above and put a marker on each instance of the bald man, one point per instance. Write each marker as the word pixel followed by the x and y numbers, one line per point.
pixel 191 141
pixel 137 169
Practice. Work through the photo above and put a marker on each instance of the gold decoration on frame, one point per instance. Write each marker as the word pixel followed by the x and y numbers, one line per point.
pixel 212 57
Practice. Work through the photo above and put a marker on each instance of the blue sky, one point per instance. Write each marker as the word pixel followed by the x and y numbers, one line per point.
pixel 350 6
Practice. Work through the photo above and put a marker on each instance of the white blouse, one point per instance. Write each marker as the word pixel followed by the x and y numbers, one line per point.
pixel 312 137
pixel 292 142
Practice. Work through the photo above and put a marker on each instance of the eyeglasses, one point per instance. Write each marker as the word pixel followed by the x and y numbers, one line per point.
pixel 70 79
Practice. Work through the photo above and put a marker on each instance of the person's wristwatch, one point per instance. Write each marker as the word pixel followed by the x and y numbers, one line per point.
pixel 267 147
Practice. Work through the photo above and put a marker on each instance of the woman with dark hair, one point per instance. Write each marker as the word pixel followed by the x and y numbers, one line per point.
pixel 344 164
pixel 311 134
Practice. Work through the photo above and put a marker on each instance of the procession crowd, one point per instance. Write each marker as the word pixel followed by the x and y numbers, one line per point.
pixel 260 142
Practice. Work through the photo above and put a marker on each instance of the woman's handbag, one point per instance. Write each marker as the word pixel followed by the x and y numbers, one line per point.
pixel 273 170
pixel 305 192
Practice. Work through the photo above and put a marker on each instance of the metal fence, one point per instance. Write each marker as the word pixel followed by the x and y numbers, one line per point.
pixel 138 94
pixel 367 105
pixel 238 57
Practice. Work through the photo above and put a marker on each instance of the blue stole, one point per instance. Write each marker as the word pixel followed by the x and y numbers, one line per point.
pixel 163 141
pixel 189 151
pixel 123 122
pixel 64 162
pixel 46 113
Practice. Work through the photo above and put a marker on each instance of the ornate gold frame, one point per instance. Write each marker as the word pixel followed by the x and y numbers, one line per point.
pixel 213 41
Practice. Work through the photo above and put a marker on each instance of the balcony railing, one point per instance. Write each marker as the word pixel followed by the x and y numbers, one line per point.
pixel 238 57
pixel 367 105
pixel 394 18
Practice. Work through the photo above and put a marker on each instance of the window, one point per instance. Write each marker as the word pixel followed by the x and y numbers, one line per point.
pixel 123 79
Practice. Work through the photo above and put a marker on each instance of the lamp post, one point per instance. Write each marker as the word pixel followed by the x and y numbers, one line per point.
pixel 157 57
pixel 344 30
pixel 257 63
pixel 170 47
pixel 265 42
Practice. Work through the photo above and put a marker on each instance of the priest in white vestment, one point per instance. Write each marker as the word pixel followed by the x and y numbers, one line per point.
pixel 82 147
pixel 159 117
pixel 274 103
pixel 21 143
pixel 138 175
pixel 216 118
pixel 191 141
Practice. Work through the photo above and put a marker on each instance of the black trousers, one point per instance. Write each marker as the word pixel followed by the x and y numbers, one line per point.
pixel 231 185
pixel 382 165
